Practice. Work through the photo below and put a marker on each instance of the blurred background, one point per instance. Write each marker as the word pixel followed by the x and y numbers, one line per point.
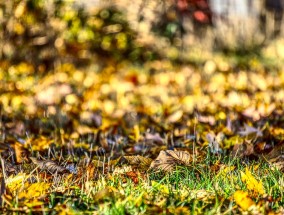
pixel 75 69
pixel 46 32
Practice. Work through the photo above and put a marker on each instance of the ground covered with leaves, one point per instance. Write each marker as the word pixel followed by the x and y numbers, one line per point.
pixel 130 139
pixel 132 133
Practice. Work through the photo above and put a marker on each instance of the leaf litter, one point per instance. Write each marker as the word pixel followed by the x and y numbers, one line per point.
pixel 95 133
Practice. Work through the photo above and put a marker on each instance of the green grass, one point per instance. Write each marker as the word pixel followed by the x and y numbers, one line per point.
pixel 199 189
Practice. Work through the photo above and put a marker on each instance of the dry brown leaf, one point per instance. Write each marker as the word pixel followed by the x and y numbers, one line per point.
pixel 49 165
pixel 167 160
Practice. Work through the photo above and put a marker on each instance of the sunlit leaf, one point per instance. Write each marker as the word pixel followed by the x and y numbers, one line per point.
pixel 34 190
pixel 251 183
pixel 16 182
pixel 39 144
pixel 243 200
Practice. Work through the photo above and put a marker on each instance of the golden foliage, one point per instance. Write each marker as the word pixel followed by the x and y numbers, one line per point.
pixel 254 186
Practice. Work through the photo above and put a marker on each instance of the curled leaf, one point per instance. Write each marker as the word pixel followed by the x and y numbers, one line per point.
pixel 168 160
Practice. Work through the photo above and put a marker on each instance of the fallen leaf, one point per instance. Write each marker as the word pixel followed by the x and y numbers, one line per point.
pixel 174 117
pixel 243 200
pixel 14 183
pixel 34 190
pixel 256 187
pixel 49 166
pixel 168 160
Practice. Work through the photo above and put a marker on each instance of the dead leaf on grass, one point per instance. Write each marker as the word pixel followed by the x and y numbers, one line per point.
pixel 167 160
pixel 49 166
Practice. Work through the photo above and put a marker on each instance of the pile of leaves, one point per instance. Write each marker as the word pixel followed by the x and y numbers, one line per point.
pixel 126 138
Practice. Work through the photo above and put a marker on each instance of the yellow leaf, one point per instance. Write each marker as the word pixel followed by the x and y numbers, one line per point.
pixel 15 183
pixel 39 144
pixel 243 200
pixel 72 99
pixel 19 28
pixel 34 190
pixel 33 203
pixel 252 184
